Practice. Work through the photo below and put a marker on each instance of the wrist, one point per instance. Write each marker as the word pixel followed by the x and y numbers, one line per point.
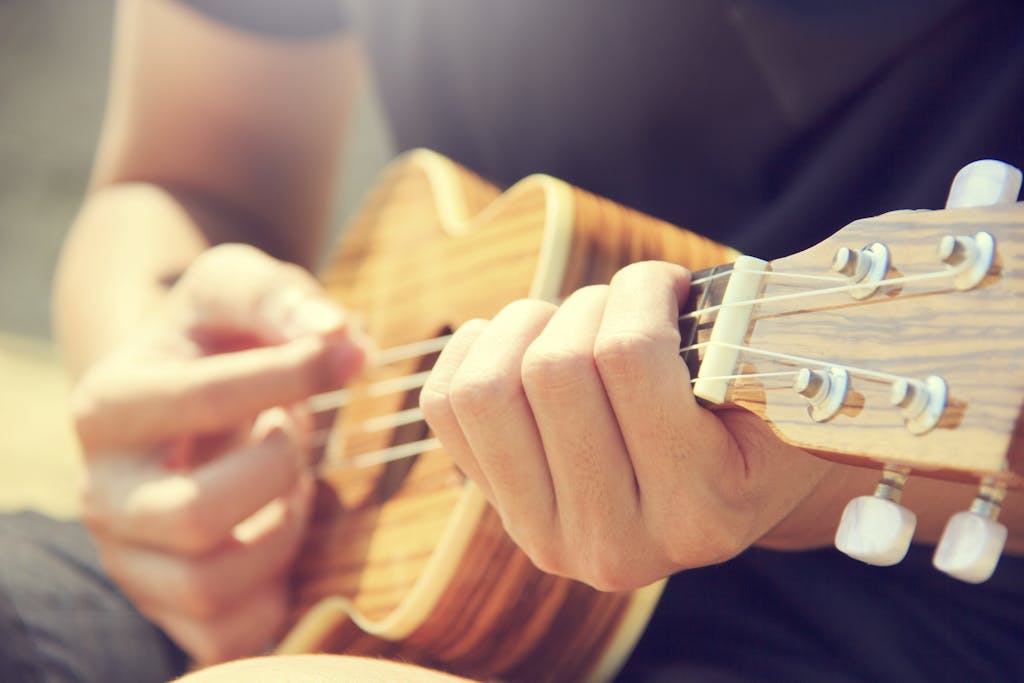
pixel 812 522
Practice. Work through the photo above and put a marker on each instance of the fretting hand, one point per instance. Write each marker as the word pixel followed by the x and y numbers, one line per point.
pixel 580 426
pixel 198 491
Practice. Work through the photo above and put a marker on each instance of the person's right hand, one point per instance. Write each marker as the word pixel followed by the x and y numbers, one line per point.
pixel 198 491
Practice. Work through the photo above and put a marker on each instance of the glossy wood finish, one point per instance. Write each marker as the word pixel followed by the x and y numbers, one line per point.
pixel 972 339
pixel 406 560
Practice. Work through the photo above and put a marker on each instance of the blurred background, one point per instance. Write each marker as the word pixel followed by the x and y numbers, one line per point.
pixel 54 56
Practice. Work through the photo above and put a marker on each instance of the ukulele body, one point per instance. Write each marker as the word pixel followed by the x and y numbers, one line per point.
pixel 406 560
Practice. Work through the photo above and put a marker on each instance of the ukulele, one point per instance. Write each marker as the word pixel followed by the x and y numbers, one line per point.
pixel 854 350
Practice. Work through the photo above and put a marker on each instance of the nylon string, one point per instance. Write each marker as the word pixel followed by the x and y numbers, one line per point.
pixel 340 398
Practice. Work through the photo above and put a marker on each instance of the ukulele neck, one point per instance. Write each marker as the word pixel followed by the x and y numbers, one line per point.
pixel 707 288
pixel 717 323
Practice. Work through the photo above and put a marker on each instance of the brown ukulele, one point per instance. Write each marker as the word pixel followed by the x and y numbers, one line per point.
pixel 892 343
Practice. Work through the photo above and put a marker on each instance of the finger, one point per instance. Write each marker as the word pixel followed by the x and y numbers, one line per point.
pixel 675 445
pixel 204 587
pixel 129 407
pixel 195 511
pixel 239 287
pixel 243 631
pixel 594 484
pixel 435 402
pixel 491 408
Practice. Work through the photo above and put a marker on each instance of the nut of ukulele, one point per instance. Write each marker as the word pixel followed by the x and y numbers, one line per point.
pixel 973 540
pixel 877 529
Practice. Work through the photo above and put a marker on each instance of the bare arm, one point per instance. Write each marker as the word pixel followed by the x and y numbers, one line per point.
pixel 210 136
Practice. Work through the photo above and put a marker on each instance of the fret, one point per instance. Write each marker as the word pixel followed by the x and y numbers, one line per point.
pixel 702 295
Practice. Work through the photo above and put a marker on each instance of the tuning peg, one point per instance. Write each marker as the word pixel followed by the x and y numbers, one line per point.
pixel 877 529
pixel 869 266
pixel 922 403
pixel 973 540
pixel 825 391
pixel 984 183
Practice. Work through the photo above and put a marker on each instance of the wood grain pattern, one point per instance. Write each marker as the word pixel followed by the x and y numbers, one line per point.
pixel 424 569
pixel 971 338
pixel 406 560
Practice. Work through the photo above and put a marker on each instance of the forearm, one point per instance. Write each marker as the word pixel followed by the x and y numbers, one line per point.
pixel 128 244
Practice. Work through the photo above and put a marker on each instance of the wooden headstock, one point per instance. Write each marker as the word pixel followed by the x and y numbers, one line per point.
pixel 913 324
pixel 896 343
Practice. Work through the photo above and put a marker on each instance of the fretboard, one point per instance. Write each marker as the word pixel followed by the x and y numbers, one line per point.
pixel 702 295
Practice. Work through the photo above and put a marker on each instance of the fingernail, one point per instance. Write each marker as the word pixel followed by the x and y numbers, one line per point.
pixel 317 316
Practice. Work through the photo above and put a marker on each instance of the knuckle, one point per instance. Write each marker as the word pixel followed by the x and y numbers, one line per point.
pixel 436 405
pixel 470 327
pixel 609 572
pixel 604 555
pixel 632 270
pixel 547 555
pixel 646 270
pixel 555 372
pixel 589 291
pixel 480 394
pixel 625 353
pixel 528 309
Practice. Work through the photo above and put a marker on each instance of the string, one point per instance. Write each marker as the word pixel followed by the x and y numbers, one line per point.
pixel 338 398
pixel 413 415
pixel 774 273
pixel 341 397
pixel 407 351
pixel 385 455
pixel 748 375
pixel 820 292
pixel 414 448
pixel 858 372
pixel 319 403
pixel 392 420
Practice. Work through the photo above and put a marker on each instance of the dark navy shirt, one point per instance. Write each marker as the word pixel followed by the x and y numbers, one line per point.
pixel 765 124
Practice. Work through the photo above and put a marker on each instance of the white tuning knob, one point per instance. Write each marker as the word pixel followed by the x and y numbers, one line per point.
pixel 875 530
pixel 970 547
pixel 973 540
pixel 984 183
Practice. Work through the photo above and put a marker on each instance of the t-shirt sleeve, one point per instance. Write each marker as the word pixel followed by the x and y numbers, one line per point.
pixel 290 19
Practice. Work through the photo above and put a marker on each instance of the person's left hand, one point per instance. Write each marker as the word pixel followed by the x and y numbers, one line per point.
pixel 580 426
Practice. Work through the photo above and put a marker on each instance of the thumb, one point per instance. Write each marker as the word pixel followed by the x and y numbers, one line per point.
pixel 238 290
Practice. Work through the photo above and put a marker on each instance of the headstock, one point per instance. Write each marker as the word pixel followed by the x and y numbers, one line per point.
pixel 898 342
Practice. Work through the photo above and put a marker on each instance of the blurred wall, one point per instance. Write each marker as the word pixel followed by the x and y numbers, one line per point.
pixel 53 67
